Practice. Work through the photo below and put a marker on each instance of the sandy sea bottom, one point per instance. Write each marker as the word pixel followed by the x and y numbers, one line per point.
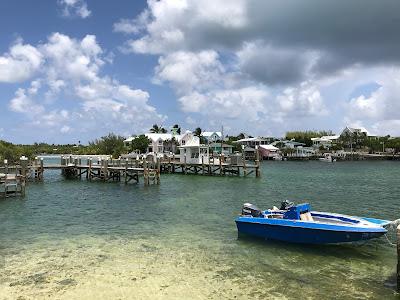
pixel 79 240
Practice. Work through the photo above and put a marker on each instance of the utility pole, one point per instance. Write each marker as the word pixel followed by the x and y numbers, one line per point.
pixel 222 137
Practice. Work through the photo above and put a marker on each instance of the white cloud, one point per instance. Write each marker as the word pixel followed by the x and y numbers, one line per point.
pixel 169 25
pixel 133 25
pixel 65 129
pixel 188 70
pixel 23 103
pixel 20 63
pixel 382 104
pixel 215 54
pixel 70 70
pixel 381 109
pixel 302 101
pixel 72 8
pixel 72 59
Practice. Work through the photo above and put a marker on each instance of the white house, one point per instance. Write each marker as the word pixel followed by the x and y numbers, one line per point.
pixel 163 142
pixel 192 152
pixel 255 141
pixel 325 141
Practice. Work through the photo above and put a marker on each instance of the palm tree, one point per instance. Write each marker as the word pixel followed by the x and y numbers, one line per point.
pixel 176 128
pixel 158 129
pixel 155 129
pixel 197 132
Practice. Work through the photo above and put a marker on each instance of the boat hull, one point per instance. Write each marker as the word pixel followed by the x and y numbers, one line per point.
pixel 299 234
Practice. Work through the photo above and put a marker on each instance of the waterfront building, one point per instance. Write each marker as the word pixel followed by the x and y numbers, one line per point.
pixel 325 141
pixel 163 142
pixel 255 141
pixel 268 151
pixel 211 136
pixel 226 149
pixel 355 137
pixel 192 152
pixel 292 144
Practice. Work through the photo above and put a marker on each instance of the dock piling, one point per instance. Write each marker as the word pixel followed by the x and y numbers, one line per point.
pixel 398 259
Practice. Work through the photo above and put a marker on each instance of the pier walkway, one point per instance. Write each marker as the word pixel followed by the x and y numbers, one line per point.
pixel 13 178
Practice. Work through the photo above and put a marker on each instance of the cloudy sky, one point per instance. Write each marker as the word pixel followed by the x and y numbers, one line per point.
pixel 77 69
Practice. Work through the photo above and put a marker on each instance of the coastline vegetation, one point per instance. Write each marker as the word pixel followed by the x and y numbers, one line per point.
pixel 110 144
pixel 113 144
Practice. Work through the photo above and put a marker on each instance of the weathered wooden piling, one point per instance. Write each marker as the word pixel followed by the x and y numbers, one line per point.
pixel 257 162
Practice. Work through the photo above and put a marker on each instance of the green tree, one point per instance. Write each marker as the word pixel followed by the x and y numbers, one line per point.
pixel 110 144
pixel 241 136
pixel 140 143
pixel 305 136
pixel 176 128
pixel 197 132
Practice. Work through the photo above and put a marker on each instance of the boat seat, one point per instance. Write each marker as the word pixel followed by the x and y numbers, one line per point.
pixel 306 217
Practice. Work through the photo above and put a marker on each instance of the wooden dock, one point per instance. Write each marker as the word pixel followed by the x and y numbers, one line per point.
pixel 104 170
pixel 13 178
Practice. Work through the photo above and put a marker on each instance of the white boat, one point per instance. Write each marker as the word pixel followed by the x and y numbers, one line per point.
pixel 328 157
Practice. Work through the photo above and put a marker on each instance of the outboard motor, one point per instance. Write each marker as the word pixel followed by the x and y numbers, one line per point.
pixel 285 205
pixel 249 209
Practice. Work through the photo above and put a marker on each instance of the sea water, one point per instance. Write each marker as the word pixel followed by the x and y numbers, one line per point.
pixel 73 239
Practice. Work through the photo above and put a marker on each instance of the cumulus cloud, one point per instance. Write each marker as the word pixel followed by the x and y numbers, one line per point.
pixel 70 70
pixel 381 109
pixel 301 101
pixel 332 29
pixel 275 65
pixel 23 103
pixel 188 70
pixel 133 25
pixel 74 8
pixel 286 56
pixel 20 63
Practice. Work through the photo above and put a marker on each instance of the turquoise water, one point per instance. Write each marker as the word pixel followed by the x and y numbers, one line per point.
pixel 71 239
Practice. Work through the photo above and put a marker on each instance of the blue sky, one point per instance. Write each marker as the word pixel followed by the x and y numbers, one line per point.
pixel 75 70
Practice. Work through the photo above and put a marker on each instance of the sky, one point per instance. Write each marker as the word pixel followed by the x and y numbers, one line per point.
pixel 75 70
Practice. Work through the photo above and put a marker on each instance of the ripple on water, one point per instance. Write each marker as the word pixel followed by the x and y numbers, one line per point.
pixel 74 239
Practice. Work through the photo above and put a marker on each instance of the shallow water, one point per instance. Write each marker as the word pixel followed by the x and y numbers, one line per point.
pixel 71 239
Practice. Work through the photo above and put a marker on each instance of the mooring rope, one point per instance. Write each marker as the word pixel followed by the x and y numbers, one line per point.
pixel 390 243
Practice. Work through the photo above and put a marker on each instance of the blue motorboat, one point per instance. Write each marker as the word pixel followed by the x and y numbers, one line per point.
pixel 298 224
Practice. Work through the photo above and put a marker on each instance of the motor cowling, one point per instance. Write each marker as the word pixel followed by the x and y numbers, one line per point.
pixel 249 209
pixel 285 205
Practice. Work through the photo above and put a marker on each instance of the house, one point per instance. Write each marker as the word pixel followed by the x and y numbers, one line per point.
pixel 303 152
pixel 268 151
pixel 211 136
pixel 255 141
pixel 226 149
pixel 325 141
pixel 129 140
pixel 192 152
pixel 354 137
pixel 249 153
pixel 163 142
pixel 287 144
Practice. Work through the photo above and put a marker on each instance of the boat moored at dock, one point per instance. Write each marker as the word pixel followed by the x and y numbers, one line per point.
pixel 298 224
